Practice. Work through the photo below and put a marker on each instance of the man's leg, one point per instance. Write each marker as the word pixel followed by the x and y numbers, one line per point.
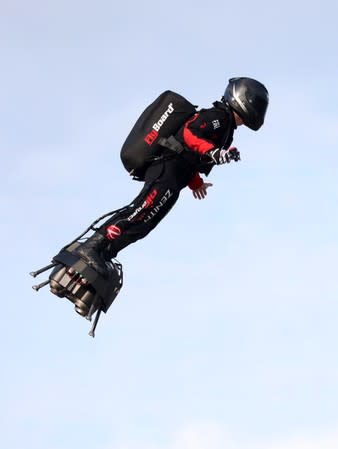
pixel 134 222
pixel 143 215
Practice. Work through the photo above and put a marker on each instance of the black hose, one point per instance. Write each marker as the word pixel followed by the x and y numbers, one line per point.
pixel 91 227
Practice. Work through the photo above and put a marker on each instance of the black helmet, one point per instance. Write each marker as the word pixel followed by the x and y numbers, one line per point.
pixel 249 98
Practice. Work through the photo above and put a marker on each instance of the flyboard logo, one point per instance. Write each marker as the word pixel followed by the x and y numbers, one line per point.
pixel 152 136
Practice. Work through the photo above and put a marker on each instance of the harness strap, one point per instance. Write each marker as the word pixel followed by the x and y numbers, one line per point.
pixel 172 144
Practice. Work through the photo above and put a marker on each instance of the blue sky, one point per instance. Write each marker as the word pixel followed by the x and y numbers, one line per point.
pixel 224 334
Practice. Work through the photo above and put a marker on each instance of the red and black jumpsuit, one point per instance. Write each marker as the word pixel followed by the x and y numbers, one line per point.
pixel 165 178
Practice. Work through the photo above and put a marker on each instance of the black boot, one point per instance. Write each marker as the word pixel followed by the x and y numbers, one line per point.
pixel 96 251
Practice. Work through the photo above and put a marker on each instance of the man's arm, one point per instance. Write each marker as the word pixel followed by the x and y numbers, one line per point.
pixel 196 134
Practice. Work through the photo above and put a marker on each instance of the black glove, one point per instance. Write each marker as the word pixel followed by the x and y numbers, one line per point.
pixel 221 156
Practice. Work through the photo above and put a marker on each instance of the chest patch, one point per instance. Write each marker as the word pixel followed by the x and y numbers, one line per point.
pixel 216 124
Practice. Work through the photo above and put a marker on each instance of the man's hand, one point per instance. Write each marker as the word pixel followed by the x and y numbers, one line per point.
pixel 201 192
pixel 221 156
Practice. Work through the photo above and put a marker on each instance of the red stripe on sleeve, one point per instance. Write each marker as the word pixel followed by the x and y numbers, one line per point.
pixel 193 142
pixel 196 182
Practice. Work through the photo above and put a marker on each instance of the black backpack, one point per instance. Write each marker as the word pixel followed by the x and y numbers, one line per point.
pixel 159 120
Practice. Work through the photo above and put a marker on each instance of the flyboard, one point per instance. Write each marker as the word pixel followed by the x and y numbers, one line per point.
pixel 74 279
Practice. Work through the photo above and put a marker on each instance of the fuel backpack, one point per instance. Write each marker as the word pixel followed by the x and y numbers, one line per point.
pixel 160 120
